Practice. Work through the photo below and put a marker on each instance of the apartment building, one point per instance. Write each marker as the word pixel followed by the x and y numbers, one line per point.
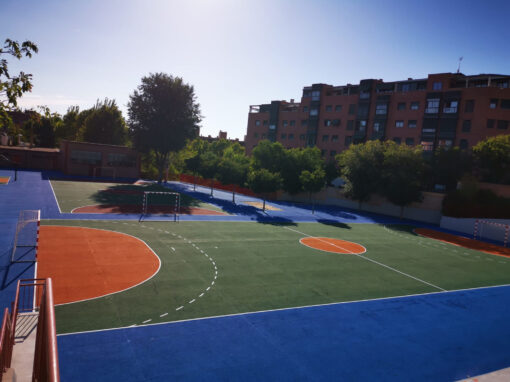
pixel 446 109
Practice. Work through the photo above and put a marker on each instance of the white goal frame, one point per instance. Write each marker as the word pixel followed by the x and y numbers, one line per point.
pixel 478 230
pixel 25 217
pixel 175 195
pixel 101 168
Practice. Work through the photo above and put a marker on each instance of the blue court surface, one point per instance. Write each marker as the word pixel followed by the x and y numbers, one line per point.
pixel 434 337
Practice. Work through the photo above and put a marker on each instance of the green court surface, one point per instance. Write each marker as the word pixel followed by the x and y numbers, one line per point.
pixel 74 194
pixel 220 268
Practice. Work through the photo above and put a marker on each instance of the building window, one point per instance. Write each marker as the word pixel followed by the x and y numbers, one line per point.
pixel 410 141
pixel 325 138
pixel 347 141
pixel 257 122
pixel 399 124
pixel 397 140
pixel 291 137
pixel 466 125
pixel 323 152
pixel 265 122
pixel 362 125
pixel 316 95
pixel 490 123
pixel 470 106
pixel 381 109
pixel 293 123
pixel 505 104
pixel 352 108
pixel 415 105
pixel 332 153
pixel 450 107
pixel 377 127
pixel 327 122
pixel 85 157
pixel 401 106
pixel 314 111
pixel 406 87
pixel 463 144
pixel 305 108
pixel 285 123
pixel 437 86
pixel 350 124
pixel 432 106
pixel 272 127
pixel 256 135
pixel 411 124
pixel 329 108
pixel 503 125
pixel 338 108
pixel 283 136
pixel 493 104
pixel 302 137
pixel 336 122
pixel 122 160
pixel 427 145
pixel 304 122
pixel 364 95
pixel 263 136
pixel 334 138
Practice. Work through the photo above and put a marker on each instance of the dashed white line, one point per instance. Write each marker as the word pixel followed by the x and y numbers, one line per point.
pixel 173 249
pixel 149 320
pixel 191 301
pixel 179 308
pixel 201 294
pixel 163 315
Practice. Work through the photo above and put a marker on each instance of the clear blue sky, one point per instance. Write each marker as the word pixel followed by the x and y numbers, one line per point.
pixel 238 53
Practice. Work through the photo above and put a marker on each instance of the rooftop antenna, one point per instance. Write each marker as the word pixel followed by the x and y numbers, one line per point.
pixel 458 68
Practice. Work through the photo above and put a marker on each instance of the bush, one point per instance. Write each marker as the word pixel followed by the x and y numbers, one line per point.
pixel 476 204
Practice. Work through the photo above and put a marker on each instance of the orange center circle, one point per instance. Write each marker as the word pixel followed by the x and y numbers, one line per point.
pixel 328 244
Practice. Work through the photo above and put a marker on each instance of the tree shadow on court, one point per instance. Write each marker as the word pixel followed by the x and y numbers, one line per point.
pixel 334 223
pixel 402 228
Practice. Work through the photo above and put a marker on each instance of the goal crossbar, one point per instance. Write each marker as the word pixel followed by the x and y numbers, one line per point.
pixel 176 205
pixel 26 237
pixel 478 229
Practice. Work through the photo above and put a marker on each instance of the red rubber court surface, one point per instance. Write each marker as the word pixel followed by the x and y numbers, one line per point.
pixel 328 244
pixel 86 263
pixel 491 249
pixel 137 209
pixel 4 179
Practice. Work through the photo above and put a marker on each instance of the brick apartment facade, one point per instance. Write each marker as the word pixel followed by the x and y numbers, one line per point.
pixel 447 109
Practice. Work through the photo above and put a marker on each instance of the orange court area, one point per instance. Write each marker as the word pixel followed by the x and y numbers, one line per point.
pixel 4 179
pixel 328 244
pixel 491 249
pixel 85 263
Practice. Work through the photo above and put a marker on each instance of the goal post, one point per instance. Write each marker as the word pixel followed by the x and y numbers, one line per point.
pixel 26 237
pixel 491 230
pixel 161 202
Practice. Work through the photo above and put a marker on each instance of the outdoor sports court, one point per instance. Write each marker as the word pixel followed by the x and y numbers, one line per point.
pixel 281 295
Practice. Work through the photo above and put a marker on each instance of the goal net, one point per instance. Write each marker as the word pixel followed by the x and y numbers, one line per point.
pixel 161 203
pixel 485 229
pixel 26 237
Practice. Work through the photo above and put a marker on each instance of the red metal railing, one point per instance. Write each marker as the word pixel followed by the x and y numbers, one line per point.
pixel 31 296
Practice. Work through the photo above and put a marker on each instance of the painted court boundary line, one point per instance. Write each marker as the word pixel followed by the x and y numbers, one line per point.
pixel 54 195
pixel 373 261
pixel 291 308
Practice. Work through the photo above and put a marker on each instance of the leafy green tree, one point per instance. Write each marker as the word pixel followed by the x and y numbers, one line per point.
pixel 104 124
pixel 71 124
pixel 262 181
pixel 233 168
pixel 361 167
pixel 313 182
pixel 402 174
pixel 447 167
pixel 163 115
pixel 191 155
pixel 294 163
pixel 13 87
pixel 492 158
pixel 40 130
pixel 268 155
pixel 208 169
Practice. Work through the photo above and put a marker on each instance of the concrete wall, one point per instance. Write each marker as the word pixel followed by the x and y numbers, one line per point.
pixel 466 225
pixel 429 210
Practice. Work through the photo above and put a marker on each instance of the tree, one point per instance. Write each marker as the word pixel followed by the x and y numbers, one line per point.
pixel 361 167
pixel 71 123
pixel 163 115
pixel 13 87
pixel 262 181
pixel 447 167
pixel 104 124
pixel 268 155
pixel 313 182
pixel 209 167
pixel 492 158
pixel 295 162
pixel 233 168
pixel 402 174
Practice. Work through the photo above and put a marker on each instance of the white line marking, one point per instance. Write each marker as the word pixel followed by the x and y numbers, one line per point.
pixel 208 288
pixel 163 315
pixel 149 320
pixel 55 196
pixel 167 232
pixel 201 294
pixel 298 307
pixel 212 282
pixel 381 264
pixel 191 302
pixel 173 249
pixel 179 308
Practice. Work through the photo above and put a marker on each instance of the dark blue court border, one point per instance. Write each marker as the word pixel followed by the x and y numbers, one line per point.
pixel 435 337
